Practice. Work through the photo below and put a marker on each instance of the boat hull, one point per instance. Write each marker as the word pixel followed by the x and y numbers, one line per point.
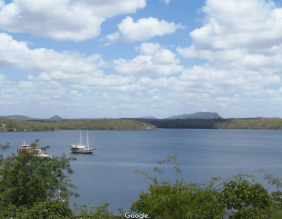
pixel 81 152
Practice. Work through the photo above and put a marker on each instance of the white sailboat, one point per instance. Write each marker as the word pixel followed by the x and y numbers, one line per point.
pixel 80 148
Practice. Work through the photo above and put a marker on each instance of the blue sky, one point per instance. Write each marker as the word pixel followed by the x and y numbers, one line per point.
pixel 134 58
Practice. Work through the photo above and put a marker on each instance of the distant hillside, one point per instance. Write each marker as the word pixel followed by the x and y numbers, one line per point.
pixel 55 117
pixel 16 117
pixel 90 124
pixel 245 123
pixel 148 117
pixel 199 115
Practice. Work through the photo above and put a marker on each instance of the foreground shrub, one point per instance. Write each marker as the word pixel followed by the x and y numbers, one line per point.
pixel 47 209
pixel 237 197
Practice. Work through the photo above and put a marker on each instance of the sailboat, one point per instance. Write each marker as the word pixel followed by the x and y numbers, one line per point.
pixel 81 149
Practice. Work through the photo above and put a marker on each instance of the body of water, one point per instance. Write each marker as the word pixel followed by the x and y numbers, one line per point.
pixel 107 175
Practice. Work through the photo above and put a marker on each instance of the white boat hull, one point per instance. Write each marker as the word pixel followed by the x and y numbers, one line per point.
pixel 81 149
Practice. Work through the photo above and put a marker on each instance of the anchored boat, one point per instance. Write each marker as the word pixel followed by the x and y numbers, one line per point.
pixel 26 147
pixel 81 149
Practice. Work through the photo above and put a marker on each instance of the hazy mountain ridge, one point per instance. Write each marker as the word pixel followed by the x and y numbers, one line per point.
pixel 198 115
pixel 20 117
pixel 147 117
pixel 55 117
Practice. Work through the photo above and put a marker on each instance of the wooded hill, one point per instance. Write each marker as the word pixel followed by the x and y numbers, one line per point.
pixel 248 123
pixel 90 124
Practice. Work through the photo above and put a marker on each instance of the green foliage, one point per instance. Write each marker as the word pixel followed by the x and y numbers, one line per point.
pixel 89 124
pixel 4 147
pixel 260 123
pixel 255 123
pixel 240 196
pixel 47 209
pixel 27 179
pixel 95 212
pixel 245 200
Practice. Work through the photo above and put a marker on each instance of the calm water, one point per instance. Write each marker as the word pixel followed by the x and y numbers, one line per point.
pixel 107 175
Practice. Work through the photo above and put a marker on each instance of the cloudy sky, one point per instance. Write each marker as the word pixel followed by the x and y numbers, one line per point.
pixel 133 58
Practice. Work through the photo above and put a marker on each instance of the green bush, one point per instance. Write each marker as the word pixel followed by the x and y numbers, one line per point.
pixel 237 197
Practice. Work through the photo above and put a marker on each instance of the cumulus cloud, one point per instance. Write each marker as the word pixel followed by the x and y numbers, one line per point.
pixel 112 38
pixel 148 48
pixel 127 88
pixel 75 20
pixel 155 61
pixel 242 33
pixel 214 77
pixel 246 23
pixel 17 54
pixel 142 30
pixel 97 79
pixel 242 40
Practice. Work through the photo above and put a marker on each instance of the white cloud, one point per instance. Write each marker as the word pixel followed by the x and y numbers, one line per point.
pixel 127 88
pixel 144 29
pixel 2 78
pixel 242 40
pixel 188 53
pixel 214 77
pixel 235 23
pixel 156 98
pixel 17 54
pixel 75 20
pixel 165 56
pixel 112 38
pixel 166 1
pixel 84 81
pixel 158 61
pixel 241 32
pixel 143 65
pixel 148 48
pixel 25 84
pixel 148 82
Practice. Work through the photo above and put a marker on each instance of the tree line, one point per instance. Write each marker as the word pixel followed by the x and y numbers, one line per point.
pixel 89 124
pixel 246 123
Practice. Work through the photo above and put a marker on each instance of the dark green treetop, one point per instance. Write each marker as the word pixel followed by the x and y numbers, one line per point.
pixel 27 179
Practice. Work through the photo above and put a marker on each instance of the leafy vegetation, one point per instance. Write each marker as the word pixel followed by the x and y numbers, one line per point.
pixel 91 124
pixel 29 187
pixel 256 123
pixel 3 148
pixel 240 196
pixel 27 179
pixel 139 124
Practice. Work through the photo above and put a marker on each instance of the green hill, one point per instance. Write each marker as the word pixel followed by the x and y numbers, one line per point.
pixel 90 124
pixel 249 123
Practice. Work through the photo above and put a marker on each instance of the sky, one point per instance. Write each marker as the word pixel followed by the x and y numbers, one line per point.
pixel 135 58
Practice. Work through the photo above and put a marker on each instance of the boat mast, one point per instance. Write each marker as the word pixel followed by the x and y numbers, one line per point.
pixel 87 141
pixel 80 139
